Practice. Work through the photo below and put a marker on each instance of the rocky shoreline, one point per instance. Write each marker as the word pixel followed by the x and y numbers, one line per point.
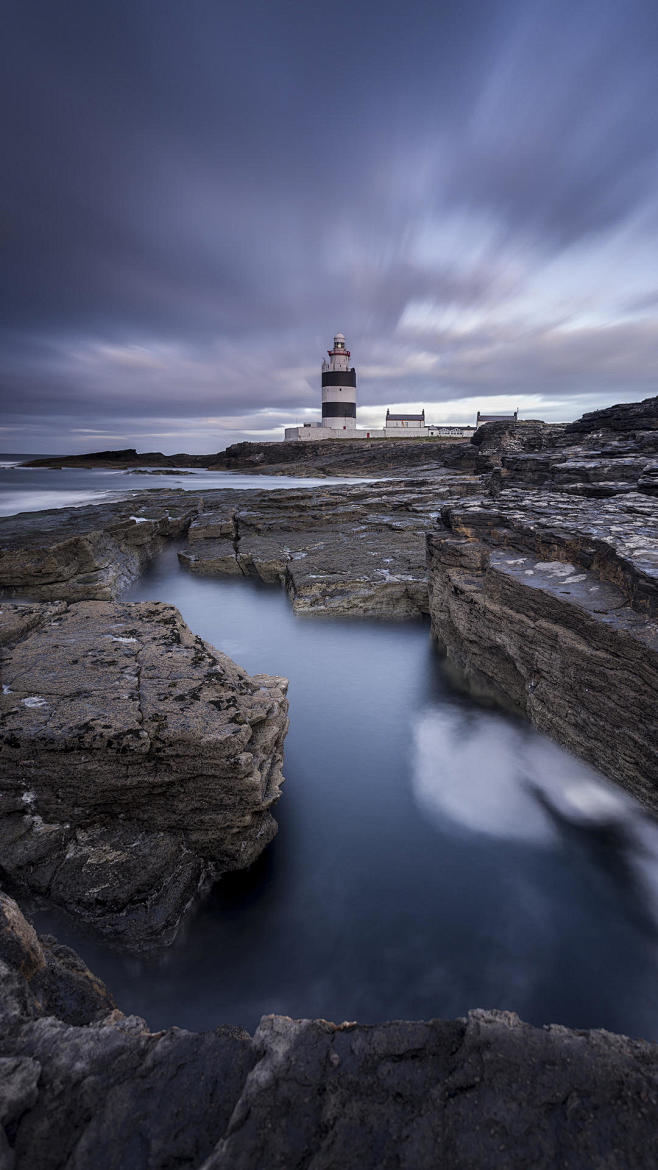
pixel 534 549
pixel 352 457
pixel 137 763
pixel 83 1085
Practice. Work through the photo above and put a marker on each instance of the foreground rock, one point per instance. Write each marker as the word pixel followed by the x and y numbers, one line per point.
pixel 82 1085
pixel 356 550
pixel 136 762
pixel 553 603
pixel 347 551
pixel 90 552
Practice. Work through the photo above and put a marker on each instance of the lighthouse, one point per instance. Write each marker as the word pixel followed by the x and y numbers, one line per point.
pixel 338 388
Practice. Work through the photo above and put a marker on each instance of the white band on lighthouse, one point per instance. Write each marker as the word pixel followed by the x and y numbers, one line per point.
pixel 338 388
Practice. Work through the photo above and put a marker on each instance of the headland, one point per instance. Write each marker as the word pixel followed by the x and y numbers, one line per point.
pixel 534 550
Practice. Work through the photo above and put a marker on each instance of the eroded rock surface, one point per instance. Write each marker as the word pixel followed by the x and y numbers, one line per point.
pixel 354 457
pixel 136 762
pixel 604 454
pixel 90 552
pixel 554 603
pixel 350 551
pixel 102 1090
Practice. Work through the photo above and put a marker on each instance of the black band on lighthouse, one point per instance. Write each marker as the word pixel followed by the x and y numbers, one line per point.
pixel 339 410
pixel 339 377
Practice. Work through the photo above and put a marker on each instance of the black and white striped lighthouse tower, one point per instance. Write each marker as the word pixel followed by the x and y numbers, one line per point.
pixel 338 388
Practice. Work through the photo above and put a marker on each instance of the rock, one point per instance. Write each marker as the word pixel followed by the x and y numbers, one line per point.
pixel 137 762
pixel 472 1093
pixel 348 551
pixel 552 604
pixel 604 454
pixel 624 418
pixel 506 435
pixel 90 552
pixel 355 457
pixel 128 458
pixel 52 979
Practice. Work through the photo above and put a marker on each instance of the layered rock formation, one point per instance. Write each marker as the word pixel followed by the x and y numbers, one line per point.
pixel 548 596
pixel 543 555
pixel 136 762
pixel 605 453
pixel 354 457
pixel 89 552
pixel 349 551
pixel 82 1085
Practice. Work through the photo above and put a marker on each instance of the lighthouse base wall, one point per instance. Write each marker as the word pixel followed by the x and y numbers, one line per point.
pixel 314 432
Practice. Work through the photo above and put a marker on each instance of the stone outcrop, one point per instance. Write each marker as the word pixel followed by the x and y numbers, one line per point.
pixel 137 762
pixel 345 549
pixel 605 453
pixel 89 552
pixel 83 1086
pixel 633 419
pixel 348 551
pixel 353 457
pixel 552 603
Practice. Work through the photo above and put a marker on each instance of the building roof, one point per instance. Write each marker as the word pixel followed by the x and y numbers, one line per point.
pixel 406 417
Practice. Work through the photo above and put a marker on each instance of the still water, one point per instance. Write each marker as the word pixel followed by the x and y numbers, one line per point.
pixel 433 855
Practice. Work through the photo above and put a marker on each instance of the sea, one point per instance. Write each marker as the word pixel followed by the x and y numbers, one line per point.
pixel 24 489
pixel 434 854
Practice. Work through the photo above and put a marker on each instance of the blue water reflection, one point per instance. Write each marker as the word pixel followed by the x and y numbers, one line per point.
pixel 433 855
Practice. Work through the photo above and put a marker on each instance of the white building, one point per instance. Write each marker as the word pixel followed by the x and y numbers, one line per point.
pixel 339 410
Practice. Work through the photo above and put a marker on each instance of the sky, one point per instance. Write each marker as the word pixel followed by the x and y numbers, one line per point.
pixel 197 194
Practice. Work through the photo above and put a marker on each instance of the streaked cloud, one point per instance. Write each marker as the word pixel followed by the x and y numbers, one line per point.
pixel 197 197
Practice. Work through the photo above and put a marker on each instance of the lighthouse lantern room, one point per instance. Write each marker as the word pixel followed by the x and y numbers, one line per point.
pixel 338 388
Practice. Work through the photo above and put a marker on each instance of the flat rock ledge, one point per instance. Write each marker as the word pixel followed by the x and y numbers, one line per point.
pixel 136 762
pixel 91 552
pixel 82 1085
pixel 337 551
pixel 552 602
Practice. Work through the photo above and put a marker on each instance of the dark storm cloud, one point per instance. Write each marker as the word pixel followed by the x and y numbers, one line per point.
pixel 197 195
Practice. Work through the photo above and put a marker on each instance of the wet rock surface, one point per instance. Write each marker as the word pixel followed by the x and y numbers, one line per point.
pixel 549 596
pixel 541 584
pixel 137 762
pixel 88 1086
pixel 329 457
pixel 350 551
pixel 89 552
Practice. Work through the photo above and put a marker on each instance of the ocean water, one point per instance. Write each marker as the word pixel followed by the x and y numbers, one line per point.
pixel 434 855
pixel 26 489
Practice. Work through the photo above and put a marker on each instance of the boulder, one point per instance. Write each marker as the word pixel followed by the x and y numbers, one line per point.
pixel 137 762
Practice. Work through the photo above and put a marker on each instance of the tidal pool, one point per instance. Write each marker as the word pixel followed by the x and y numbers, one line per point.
pixel 433 855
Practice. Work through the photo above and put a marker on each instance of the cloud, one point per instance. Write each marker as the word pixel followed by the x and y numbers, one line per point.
pixel 198 197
